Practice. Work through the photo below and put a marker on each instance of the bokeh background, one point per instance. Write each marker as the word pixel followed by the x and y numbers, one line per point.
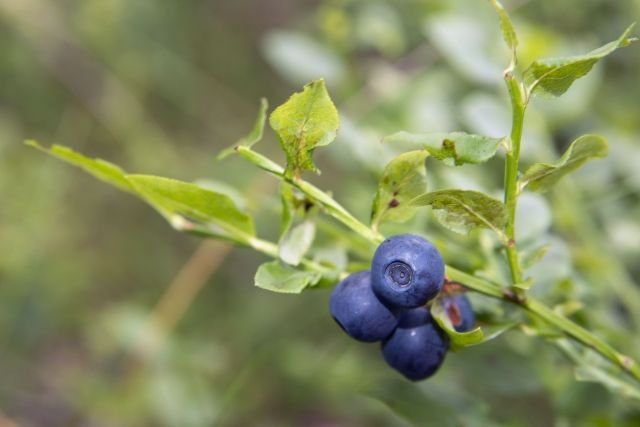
pixel 108 317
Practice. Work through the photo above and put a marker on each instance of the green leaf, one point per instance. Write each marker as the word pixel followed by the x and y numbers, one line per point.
pixel 403 179
pixel 101 169
pixel 542 176
pixel 463 210
pixel 508 32
pixel 458 339
pixel 455 148
pixel 553 76
pixel 307 120
pixel 254 136
pixel 185 200
pixel 296 242
pixel 278 277
pixel 532 257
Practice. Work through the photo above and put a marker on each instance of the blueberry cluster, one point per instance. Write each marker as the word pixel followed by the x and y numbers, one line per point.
pixel 387 303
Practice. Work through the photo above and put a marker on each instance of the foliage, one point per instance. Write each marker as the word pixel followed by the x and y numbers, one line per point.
pixel 556 284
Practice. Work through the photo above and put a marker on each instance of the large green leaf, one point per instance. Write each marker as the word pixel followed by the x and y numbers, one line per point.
pixel 542 176
pixel 307 120
pixel 553 76
pixel 278 277
pixel 254 136
pixel 101 169
pixel 179 202
pixel 171 197
pixel 455 148
pixel 463 210
pixel 403 179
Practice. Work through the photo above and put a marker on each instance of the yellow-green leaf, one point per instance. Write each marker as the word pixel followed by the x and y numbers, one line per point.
pixel 307 120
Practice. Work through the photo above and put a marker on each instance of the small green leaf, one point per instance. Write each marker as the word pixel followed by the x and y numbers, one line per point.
pixel 176 198
pixel 525 285
pixel 254 136
pixel 455 148
pixel 296 242
pixel 542 176
pixel 101 169
pixel 403 179
pixel 458 339
pixel 553 76
pixel 463 210
pixel 307 120
pixel 278 277
pixel 531 258
pixel 508 32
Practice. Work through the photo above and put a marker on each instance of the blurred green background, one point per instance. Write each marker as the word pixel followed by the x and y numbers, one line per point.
pixel 108 317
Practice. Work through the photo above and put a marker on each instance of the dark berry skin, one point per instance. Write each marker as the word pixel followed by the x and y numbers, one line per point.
pixel 407 271
pixel 417 347
pixel 359 312
pixel 460 312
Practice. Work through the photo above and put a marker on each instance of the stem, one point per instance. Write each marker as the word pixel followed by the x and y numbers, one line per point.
pixel 474 283
pixel 583 336
pixel 518 106
pixel 332 207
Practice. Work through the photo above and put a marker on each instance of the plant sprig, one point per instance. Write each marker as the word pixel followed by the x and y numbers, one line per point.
pixel 309 120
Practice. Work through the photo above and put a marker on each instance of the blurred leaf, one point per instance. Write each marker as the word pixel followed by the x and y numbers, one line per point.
pixel 300 58
pixel 508 32
pixel 101 169
pixel 254 136
pixel 278 277
pixel 171 197
pixel 533 218
pixel 402 179
pixel 553 76
pixel 587 369
pixel 465 42
pixel 307 120
pixel 529 259
pixel 455 148
pixel 542 176
pixel 287 201
pixel 611 382
pixel 462 210
pixel 296 242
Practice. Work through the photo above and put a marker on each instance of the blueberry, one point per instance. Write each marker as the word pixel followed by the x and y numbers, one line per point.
pixel 407 271
pixel 460 312
pixel 359 312
pixel 417 347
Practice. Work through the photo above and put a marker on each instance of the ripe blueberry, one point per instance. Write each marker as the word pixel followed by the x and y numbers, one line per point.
pixel 407 271
pixel 359 312
pixel 460 312
pixel 417 347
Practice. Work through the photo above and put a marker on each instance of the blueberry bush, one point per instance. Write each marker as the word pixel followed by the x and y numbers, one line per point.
pixel 465 245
